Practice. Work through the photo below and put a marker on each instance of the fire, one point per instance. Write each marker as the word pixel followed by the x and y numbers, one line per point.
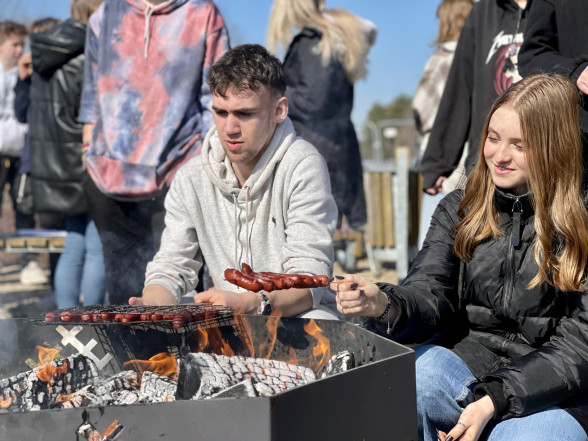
pixel 46 371
pixel 265 349
pixel 212 339
pixel 63 398
pixel 162 364
pixel 322 350
pixel 6 403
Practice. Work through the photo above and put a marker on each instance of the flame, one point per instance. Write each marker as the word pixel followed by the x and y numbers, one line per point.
pixel 64 398
pixel 293 357
pixel 321 352
pixel 46 371
pixel 246 335
pixel 211 339
pixel 162 364
pixel 265 349
pixel 6 403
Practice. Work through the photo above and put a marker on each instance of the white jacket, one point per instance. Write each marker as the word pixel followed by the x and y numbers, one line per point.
pixel 281 220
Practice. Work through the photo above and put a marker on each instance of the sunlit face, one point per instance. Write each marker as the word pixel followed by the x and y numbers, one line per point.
pixel 504 151
pixel 11 50
pixel 246 121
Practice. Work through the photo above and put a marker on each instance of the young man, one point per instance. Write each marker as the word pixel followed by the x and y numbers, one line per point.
pixel 256 194
pixel 146 108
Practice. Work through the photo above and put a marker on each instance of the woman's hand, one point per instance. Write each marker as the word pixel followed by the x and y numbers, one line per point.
pixel 472 421
pixel 358 297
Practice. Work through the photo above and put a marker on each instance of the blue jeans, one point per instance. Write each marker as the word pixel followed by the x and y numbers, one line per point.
pixel 444 389
pixel 81 266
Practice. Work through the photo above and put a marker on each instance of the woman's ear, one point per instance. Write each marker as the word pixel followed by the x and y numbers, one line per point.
pixel 281 110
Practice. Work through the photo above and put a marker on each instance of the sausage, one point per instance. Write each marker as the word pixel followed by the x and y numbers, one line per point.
pixel 236 277
pixel 107 316
pixel 267 283
pixel 321 281
pixel 51 317
pixel 86 317
pixel 246 269
pixel 96 317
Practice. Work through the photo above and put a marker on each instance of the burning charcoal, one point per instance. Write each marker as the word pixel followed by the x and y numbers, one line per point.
pixel 341 362
pixel 244 389
pixel 157 388
pixel 219 372
pixel 125 397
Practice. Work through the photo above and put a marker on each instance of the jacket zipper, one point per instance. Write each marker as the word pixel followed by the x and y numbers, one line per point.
pixel 515 241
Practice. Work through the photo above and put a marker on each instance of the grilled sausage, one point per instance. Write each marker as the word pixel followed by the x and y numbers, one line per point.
pixel 236 277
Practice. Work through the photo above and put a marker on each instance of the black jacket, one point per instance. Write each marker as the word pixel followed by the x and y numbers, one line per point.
pixel 484 66
pixel 55 134
pixel 528 348
pixel 556 40
pixel 320 100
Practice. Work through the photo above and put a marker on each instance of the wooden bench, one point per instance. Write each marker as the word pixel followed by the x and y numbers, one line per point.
pixel 392 229
pixel 32 241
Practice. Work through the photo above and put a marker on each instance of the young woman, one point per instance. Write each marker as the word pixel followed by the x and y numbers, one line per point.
pixel 322 63
pixel 498 290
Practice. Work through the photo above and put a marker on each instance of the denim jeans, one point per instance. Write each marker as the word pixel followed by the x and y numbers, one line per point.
pixel 80 268
pixel 444 389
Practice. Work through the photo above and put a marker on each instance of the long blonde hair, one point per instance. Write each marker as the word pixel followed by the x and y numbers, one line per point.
pixel 452 15
pixel 547 106
pixel 342 36
pixel 82 9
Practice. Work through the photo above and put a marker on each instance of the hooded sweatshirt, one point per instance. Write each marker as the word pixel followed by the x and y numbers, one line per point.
pixel 281 220
pixel 484 66
pixel 145 90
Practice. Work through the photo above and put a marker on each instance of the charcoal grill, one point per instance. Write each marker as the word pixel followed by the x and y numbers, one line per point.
pixel 373 401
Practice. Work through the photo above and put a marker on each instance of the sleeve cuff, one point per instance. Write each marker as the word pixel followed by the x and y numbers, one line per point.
pixel 495 390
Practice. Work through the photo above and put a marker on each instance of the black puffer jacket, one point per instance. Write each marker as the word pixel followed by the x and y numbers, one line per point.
pixel 320 100
pixel 55 134
pixel 529 348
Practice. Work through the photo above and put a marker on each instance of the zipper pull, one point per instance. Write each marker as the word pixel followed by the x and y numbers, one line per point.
pixel 515 237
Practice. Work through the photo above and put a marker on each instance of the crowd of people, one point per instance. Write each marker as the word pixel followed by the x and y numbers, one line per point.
pixel 169 156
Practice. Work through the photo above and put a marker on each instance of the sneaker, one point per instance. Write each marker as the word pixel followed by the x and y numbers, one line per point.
pixel 33 274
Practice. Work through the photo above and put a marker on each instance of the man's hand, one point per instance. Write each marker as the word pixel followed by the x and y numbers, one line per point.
pixel 242 302
pixel 471 421
pixel 582 81
pixel 25 66
pixel 154 295
pixel 438 188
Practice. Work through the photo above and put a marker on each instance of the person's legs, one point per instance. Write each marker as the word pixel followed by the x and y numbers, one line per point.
pixel 68 274
pixel 444 387
pixel 553 424
pixel 93 280
pixel 130 233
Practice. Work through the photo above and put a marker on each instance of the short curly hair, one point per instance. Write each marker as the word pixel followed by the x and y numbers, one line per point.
pixel 247 66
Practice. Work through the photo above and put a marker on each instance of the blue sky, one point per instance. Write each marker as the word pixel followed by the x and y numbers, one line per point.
pixel 405 32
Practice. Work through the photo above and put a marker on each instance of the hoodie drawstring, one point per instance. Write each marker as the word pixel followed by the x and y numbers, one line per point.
pixel 236 230
pixel 147 33
pixel 246 258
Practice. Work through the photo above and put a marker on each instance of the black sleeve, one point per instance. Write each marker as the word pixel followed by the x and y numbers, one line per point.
pixel 452 124
pixel 540 50
pixel 22 100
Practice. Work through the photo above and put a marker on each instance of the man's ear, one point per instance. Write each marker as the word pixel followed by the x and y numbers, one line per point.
pixel 281 110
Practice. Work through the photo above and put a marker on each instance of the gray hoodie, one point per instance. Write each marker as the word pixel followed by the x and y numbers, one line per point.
pixel 281 220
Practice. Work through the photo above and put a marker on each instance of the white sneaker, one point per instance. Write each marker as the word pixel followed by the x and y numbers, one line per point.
pixel 33 274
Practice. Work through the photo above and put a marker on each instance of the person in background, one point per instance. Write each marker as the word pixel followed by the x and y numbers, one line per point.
pixel 556 40
pixel 484 66
pixel 146 108
pixel 23 190
pixel 498 292
pixel 257 194
pixel 322 63
pixel 12 137
pixel 56 155
pixel 452 15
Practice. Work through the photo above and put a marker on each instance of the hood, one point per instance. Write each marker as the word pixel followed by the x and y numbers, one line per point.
pixel 218 167
pixel 147 10
pixel 142 6
pixel 512 5
pixel 52 49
